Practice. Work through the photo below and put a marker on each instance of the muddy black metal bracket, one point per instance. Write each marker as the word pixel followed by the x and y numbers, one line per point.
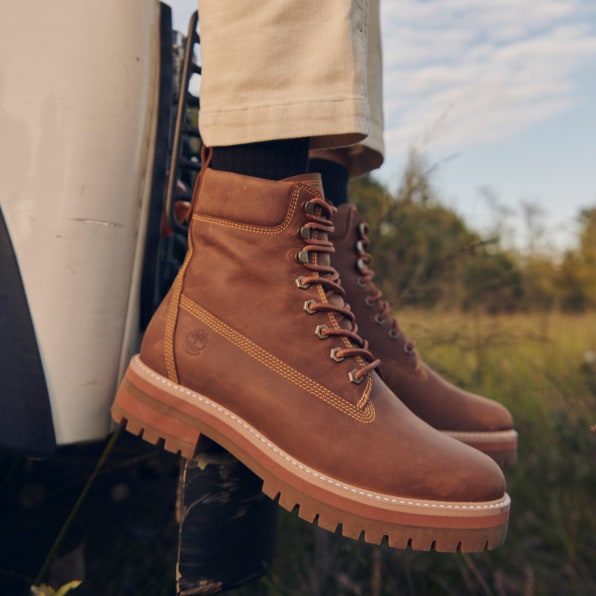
pixel 186 141
pixel 177 162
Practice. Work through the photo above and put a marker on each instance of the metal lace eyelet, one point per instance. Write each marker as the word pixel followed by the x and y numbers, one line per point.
pixel 360 246
pixel 305 233
pixel 361 266
pixel 303 257
pixel 353 378
pixel 363 228
pixel 319 331
pixel 360 283
pixel 393 335
pixel 300 284
pixel 368 302
pixel 334 356
pixel 379 321
pixel 408 349
pixel 307 307
pixel 309 207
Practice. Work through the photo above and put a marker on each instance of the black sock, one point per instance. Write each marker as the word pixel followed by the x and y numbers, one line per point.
pixel 270 159
pixel 335 179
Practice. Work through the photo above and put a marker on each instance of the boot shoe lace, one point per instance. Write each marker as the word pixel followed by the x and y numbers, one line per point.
pixel 374 298
pixel 315 257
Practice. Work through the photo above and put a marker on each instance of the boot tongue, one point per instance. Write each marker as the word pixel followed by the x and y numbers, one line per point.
pixel 345 220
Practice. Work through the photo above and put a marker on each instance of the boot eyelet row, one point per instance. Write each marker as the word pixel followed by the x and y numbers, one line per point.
pixel 334 356
pixel 353 378
pixel 307 307
pixel 319 331
pixel 300 284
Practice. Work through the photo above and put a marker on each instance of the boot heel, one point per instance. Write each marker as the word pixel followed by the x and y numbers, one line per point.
pixel 140 413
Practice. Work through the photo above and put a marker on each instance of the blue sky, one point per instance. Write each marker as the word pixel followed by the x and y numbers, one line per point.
pixel 501 94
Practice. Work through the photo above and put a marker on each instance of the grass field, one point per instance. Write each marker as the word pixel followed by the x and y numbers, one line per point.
pixel 540 366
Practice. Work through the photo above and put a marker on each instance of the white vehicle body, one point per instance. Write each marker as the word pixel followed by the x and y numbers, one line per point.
pixel 79 89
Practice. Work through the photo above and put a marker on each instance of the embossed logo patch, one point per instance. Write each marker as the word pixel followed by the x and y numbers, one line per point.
pixel 196 341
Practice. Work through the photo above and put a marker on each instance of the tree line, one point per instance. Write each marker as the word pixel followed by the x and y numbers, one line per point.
pixel 425 255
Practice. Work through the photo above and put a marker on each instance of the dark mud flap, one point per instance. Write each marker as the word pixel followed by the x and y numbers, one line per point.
pixel 227 525
pixel 26 426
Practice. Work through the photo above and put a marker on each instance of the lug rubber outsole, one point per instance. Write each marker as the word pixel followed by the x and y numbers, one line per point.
pixel 160 411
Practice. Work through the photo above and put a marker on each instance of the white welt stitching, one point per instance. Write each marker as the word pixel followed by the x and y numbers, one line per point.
pixel 488 435
pixel 378 497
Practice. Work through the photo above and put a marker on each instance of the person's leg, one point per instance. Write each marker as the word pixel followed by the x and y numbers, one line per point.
pixel 262 101
pixel 283 70
pixel 272 160
pixel 473 419
pixel 368 154
pixel 254 345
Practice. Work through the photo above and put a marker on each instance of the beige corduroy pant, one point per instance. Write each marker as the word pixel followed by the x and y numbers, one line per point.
pixel 278 69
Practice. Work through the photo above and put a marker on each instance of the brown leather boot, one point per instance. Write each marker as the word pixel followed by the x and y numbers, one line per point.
pixel 475 420
pixel 254 347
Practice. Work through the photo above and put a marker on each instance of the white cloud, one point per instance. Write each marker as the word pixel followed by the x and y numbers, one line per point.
pixel 474 71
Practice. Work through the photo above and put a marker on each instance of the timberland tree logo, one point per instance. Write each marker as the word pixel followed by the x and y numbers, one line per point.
pixel 196 341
